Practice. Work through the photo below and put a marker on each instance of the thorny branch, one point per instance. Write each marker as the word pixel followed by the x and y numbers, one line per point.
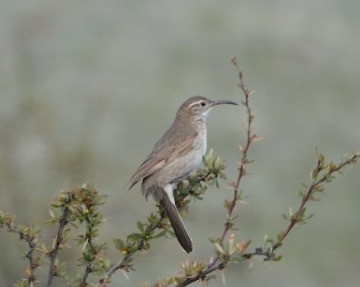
pixel 26 235
pixel 58 241
pixel 88 241
pixel 244 160
pixel 331 169
pixel 124 262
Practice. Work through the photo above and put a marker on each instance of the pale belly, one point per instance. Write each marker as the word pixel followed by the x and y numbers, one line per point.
pixel 181 167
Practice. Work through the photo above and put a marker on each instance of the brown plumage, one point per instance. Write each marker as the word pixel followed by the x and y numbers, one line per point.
pixel 174 157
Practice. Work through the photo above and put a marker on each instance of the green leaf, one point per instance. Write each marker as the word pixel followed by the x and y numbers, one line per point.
pixel 140 226
pixel 160 234
pixel 134 236
pixel 219 248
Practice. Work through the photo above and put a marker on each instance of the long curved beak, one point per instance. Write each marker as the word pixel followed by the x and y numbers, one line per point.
pixel 221 102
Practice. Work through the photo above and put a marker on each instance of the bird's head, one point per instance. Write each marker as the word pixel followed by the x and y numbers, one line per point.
pixel 198 107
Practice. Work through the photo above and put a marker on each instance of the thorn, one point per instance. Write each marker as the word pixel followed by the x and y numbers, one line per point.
pixel 250 93
pixel 256 138
pixel 125 274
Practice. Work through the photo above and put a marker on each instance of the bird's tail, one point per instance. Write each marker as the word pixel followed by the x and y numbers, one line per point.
pixel 177 224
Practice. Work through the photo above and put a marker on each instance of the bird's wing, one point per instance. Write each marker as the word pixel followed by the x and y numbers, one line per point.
pixel 164 152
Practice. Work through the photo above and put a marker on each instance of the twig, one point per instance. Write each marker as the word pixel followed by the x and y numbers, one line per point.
pixel 314 187
pixel 327 171
pixel 31 241
pixel 30 255
pixel 122 263
pixel 244 160
pixel 88 270
pixel 217 264
pixel 59 239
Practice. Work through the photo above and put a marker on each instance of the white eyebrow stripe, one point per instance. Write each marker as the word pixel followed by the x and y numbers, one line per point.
pixel 195 103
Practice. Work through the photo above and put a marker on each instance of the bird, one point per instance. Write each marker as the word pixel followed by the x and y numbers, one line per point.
pixel 174 156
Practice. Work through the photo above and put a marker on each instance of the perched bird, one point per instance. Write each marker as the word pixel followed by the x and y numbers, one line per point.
pixel 177 153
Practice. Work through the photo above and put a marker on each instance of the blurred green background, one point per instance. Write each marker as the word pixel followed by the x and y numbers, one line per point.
pixel 87 87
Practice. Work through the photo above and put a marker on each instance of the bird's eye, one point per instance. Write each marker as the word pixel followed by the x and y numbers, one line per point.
pixel 203 103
